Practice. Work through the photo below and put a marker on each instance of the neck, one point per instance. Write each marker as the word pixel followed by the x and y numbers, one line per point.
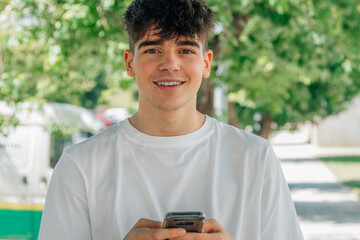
pixel 173 123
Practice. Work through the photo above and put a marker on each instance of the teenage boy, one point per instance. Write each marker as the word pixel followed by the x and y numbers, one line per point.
pixel 168 156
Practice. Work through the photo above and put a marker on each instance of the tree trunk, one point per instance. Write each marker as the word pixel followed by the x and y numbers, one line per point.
pixel 233 115
pixel 239 22
pixel 265 123
pixel 205 102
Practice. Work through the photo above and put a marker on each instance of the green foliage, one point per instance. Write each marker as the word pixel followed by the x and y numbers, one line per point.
pixel 62 51
pixel 295 60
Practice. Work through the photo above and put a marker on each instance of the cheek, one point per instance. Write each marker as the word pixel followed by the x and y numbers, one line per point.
pixel 196 70
pixel 142 71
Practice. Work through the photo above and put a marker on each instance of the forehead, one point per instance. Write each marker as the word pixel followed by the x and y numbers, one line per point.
pixel 153 37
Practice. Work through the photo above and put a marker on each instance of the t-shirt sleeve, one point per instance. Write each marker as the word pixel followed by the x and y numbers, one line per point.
pixel 278 215
pixel 65 214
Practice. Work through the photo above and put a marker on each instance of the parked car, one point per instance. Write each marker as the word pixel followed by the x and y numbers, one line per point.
pixel 116 114
pixel 27 158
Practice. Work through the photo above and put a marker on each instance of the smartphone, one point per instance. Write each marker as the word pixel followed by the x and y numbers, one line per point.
pixel 190 221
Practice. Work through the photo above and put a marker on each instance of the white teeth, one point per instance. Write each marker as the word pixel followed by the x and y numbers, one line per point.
pixel 168 83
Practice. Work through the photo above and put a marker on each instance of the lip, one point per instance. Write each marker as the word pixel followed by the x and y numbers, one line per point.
pixel 169 88
pixel 169 80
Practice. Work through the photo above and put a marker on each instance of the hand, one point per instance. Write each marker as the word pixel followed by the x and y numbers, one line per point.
pixel 148 229
pixel 212 230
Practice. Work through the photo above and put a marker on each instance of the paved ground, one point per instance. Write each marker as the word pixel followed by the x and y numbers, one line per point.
pixel 327 209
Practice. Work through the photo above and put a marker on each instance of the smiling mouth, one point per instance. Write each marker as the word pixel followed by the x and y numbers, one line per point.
pixel 169 84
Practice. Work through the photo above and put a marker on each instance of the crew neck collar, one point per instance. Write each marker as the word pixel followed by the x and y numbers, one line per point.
pixel 134 135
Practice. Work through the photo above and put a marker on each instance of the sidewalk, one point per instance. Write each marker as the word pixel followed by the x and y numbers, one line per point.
pixel 327 209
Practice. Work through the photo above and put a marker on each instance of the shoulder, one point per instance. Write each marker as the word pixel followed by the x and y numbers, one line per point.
pixel 229 133
pixel 97 141
pixel 239 144
pixel 95 152
pixel 98 148
pixel 247 154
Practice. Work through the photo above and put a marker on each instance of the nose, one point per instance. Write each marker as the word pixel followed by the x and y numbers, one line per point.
pixel 169 62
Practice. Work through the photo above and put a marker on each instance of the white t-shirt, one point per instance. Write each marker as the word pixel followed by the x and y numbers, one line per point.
pixel 101 187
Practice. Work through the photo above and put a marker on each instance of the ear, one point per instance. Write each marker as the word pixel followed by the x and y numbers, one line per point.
pixel 129 58
pixel 207 60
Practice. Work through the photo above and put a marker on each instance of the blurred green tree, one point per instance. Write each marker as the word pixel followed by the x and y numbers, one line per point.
pixel 62 51
pixel 286 61
pixel 281 61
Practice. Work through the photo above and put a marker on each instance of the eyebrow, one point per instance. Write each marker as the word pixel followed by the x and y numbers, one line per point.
pixel 149 43
pixel 159 42
pixel 190 43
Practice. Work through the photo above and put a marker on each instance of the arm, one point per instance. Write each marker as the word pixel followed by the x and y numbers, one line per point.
pixel 65 213
pixel 278 214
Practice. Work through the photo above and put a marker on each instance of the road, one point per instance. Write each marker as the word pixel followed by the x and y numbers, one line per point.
pixel 327 209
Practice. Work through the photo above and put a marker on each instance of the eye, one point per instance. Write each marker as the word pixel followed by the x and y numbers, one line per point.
pixel 186 51
pixel 151 51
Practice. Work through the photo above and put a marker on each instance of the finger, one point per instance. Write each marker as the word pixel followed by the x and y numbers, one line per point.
pixel 147 223
pixel 202 236
pixel 212 226
pixel 165 233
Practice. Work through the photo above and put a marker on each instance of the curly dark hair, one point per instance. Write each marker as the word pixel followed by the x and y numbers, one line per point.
pixel 171 18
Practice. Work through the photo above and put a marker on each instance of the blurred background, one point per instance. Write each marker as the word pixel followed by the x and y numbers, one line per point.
pixel 287 70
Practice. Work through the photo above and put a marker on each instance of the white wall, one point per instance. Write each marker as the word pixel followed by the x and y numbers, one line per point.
pixel 342 129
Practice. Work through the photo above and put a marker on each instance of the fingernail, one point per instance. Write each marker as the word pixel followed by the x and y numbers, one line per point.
pixel 182 231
